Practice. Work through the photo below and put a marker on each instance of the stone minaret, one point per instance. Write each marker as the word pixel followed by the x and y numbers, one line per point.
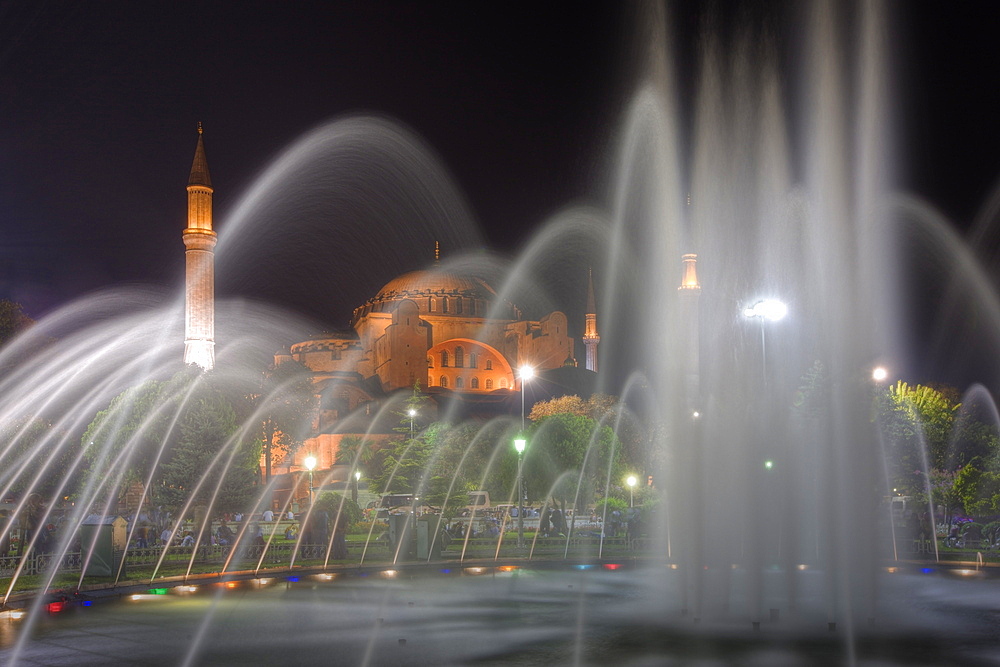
pixel 199 242
pixel 690 293
pixel 590 337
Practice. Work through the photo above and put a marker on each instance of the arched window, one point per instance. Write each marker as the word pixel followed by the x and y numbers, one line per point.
pixel 444 358
pixel 489 384
pixel 489 364
pixel 459 357
pixel 503 383
pixel 459 383
pixel 444 304
pixel 475 383
pixel 444 381
pixel 458 305
pixel 472 360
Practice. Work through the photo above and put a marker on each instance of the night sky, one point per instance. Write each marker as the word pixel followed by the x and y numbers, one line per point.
pixel 99 103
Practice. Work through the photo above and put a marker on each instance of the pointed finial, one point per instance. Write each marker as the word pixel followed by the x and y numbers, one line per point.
pixel 199 128
pixel 437 252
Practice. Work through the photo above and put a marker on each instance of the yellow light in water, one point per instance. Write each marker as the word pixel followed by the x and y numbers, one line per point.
pixel 388 574
pixel 185 589
pixel 802 566
pixel 508 568
pixel 13 614
pixel 891 570
pixel 231 584
pixel 673 566
pixel 475 570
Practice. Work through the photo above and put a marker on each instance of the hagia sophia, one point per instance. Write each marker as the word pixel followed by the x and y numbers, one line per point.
pixel 451 335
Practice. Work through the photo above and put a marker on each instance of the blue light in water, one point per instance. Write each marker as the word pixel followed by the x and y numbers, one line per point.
pixel 927 570
pixel 445 571
pixel 293 578
pixel 86 603
pixel 584 566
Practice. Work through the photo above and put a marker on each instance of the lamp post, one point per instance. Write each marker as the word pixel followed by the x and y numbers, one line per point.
pixel 631 490
pixel 519 445
pixel 310 463
pixel 879 374
pixel 357 481
pixel 413 413
pixel 766 309
pixel 525 373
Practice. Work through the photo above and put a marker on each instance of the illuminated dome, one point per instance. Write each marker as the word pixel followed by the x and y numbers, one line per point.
pixel 438 293
pixel 427 283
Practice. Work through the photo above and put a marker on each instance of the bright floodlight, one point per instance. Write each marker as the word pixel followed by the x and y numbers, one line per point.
pixel 768 464
pixel 526 372
pixel 631 480
pixel 357 475
pixel 880 374
pixel 519 445
pixel 310 462
pixel 770 309
pixel 412 412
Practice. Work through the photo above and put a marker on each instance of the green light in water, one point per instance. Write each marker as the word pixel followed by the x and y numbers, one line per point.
pixel 158 591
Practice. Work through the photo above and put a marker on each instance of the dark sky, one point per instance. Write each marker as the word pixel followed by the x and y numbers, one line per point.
pixel 99 102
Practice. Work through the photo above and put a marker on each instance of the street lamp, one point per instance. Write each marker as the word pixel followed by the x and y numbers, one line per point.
pixel 879 374
pixel 413 413
pixel 526 373
pixel 766 309
pixel 519 445
pixel 631 489
pixel 310 463
pixel 357 481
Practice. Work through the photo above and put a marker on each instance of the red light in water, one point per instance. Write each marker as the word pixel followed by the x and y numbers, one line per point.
pixel 55 607
pixel 612 566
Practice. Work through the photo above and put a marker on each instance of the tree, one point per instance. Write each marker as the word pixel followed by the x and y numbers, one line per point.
pixel 978 489
pixel 608 410
pixel 287 401
pixel 558 451
pixel 32 448
pixel 174 435
pixel 915 420
pixel 12 320
pixel 201 466
pixel 334 504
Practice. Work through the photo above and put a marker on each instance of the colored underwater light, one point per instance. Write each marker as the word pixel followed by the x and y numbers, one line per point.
pixel 157 591
pixel 55 607
pixel 612 566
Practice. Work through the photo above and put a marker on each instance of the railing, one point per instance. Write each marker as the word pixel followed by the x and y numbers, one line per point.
pixel 248 555
pixel 36 563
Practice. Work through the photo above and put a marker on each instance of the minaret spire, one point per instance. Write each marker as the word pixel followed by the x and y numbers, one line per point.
pixel 590 336
pixel 690 293
pixel 199 242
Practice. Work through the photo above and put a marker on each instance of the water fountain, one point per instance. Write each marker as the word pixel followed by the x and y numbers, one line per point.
pixel 765 544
